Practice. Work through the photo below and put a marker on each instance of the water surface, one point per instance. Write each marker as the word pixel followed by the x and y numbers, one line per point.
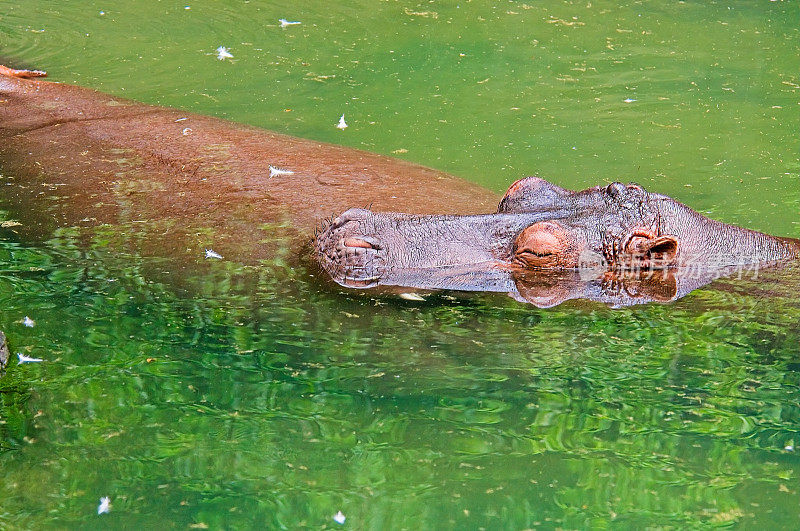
pixel 200 393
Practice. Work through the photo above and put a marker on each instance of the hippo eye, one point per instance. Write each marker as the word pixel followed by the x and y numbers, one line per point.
pixel 536 249
pixel 542 245
pixel 535 252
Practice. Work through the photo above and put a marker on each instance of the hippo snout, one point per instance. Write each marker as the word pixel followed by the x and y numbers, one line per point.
pixel 349 253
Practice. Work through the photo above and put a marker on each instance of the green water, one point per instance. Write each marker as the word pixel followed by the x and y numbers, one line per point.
pixel 256 397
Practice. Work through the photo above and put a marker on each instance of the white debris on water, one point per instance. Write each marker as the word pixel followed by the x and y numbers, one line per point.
pixel 274 172
pixel 105 505
pixel 27 359
pixel 286 23
pixel 628 100
pixel 27 321
pixel 342 124
pixel 339 517
pixel 211 253
pixel 412 297
pixel 223 53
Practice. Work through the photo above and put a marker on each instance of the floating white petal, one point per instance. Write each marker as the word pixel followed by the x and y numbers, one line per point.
pixel 105 505
pixel 223 53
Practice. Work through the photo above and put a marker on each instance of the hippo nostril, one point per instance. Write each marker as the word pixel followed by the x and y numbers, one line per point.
pixel 338 223
pixel 353 215
pixel 356 242
pixel 364 243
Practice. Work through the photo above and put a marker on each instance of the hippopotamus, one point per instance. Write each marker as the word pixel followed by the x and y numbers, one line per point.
pixel 79 157
pixel 541 227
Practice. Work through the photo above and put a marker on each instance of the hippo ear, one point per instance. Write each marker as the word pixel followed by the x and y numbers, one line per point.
pixel 531 194
pixel 644 250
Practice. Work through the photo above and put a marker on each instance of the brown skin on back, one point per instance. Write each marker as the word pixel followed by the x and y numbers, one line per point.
pixel 109 160
pixel 25 74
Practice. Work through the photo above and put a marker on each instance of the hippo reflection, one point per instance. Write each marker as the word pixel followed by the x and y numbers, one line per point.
pixel 541 227
pixel 548 288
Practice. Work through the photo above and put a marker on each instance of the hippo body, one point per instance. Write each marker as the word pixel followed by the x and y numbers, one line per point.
pixel 76 156
pixel 86 157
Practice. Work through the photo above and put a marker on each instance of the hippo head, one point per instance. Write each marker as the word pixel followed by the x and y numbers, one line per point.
pixel 538 226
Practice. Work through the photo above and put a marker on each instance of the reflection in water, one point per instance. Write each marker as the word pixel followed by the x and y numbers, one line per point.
pixel 548 288
pixel 615 288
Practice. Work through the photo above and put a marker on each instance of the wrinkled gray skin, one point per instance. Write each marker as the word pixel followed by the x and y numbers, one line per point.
pixel 538 226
